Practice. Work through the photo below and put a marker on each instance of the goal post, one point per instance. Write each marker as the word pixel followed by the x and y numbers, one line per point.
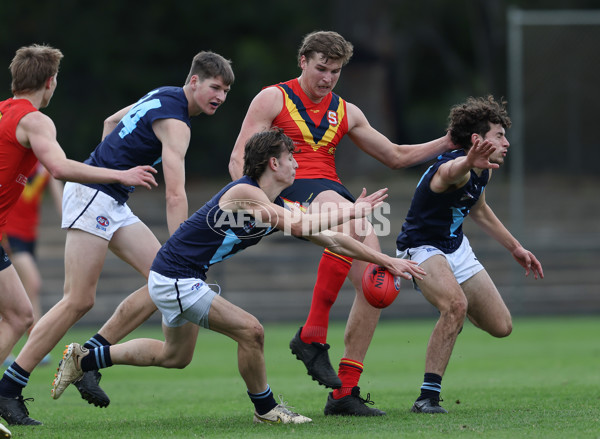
pixel 553 60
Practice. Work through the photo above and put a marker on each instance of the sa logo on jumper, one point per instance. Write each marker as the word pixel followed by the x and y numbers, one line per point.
pixel 102 223
pixel 332 118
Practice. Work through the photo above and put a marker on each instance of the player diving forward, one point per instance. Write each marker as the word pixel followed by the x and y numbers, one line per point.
pixel 235 218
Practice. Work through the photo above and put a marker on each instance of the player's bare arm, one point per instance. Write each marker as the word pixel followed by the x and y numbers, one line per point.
pixel 487 220
pixel 347 246
pixel 175 138
pixel 111 122
pixel 484 217
pixel 455 173
pixel 55 187
pixel 378 146
pixel 482 214
pixel 263 109
pixel 37 131
pixel 258 204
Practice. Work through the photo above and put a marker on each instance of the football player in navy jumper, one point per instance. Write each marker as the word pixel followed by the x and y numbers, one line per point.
pixel 155 129
pixel 238 216
pixel 457 284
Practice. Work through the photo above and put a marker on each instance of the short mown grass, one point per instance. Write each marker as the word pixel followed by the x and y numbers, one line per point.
pixel 542 381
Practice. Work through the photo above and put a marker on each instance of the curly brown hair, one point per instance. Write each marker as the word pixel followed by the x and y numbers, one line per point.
pixel 475 116
pixel 261 147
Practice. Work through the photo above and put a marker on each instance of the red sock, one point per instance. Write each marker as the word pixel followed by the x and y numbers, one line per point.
pixel 331 275
pixel 349 372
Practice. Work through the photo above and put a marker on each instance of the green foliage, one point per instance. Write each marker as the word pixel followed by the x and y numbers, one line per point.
pixel 412 60
pixel 542 381
pixel 117 51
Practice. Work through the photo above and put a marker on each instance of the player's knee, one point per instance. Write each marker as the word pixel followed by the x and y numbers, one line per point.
pixel 85 305
pixel 454 314
pixel 503 329
pixel 24 323
pixel 179 362
pixel 28 321
pixel 254 334
pixel 20 320
pixel 80 306
pixel 457 308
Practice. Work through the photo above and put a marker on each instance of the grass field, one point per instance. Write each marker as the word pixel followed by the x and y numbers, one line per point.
pixel 542 381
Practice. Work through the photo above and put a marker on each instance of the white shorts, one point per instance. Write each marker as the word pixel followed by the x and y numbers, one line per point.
pixel 181 300
pixel 93 211
pixel 463 262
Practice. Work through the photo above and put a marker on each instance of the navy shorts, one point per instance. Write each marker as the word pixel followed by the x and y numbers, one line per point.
pixel 18 245
pixel 4 260
pixel 305 190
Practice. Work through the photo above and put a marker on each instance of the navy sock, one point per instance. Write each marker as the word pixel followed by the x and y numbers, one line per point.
pixel 432 387
pixel 263 402
pixel 95 342
pixel 13 381
pixel 97 359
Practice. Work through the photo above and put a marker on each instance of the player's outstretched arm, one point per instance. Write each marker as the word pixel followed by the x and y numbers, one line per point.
pixel 484 217
pixel 347 246
pixel 457 172
pixel 329 216
pixel 479 154
pixel 393 155
pixel 39 133
pixel 254 201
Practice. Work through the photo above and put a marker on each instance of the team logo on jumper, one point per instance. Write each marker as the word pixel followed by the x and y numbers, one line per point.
pixel 248 227
pixel 332 118
pixel 22 179
pixel 467 196
pixel 102 223
pixel 254 222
